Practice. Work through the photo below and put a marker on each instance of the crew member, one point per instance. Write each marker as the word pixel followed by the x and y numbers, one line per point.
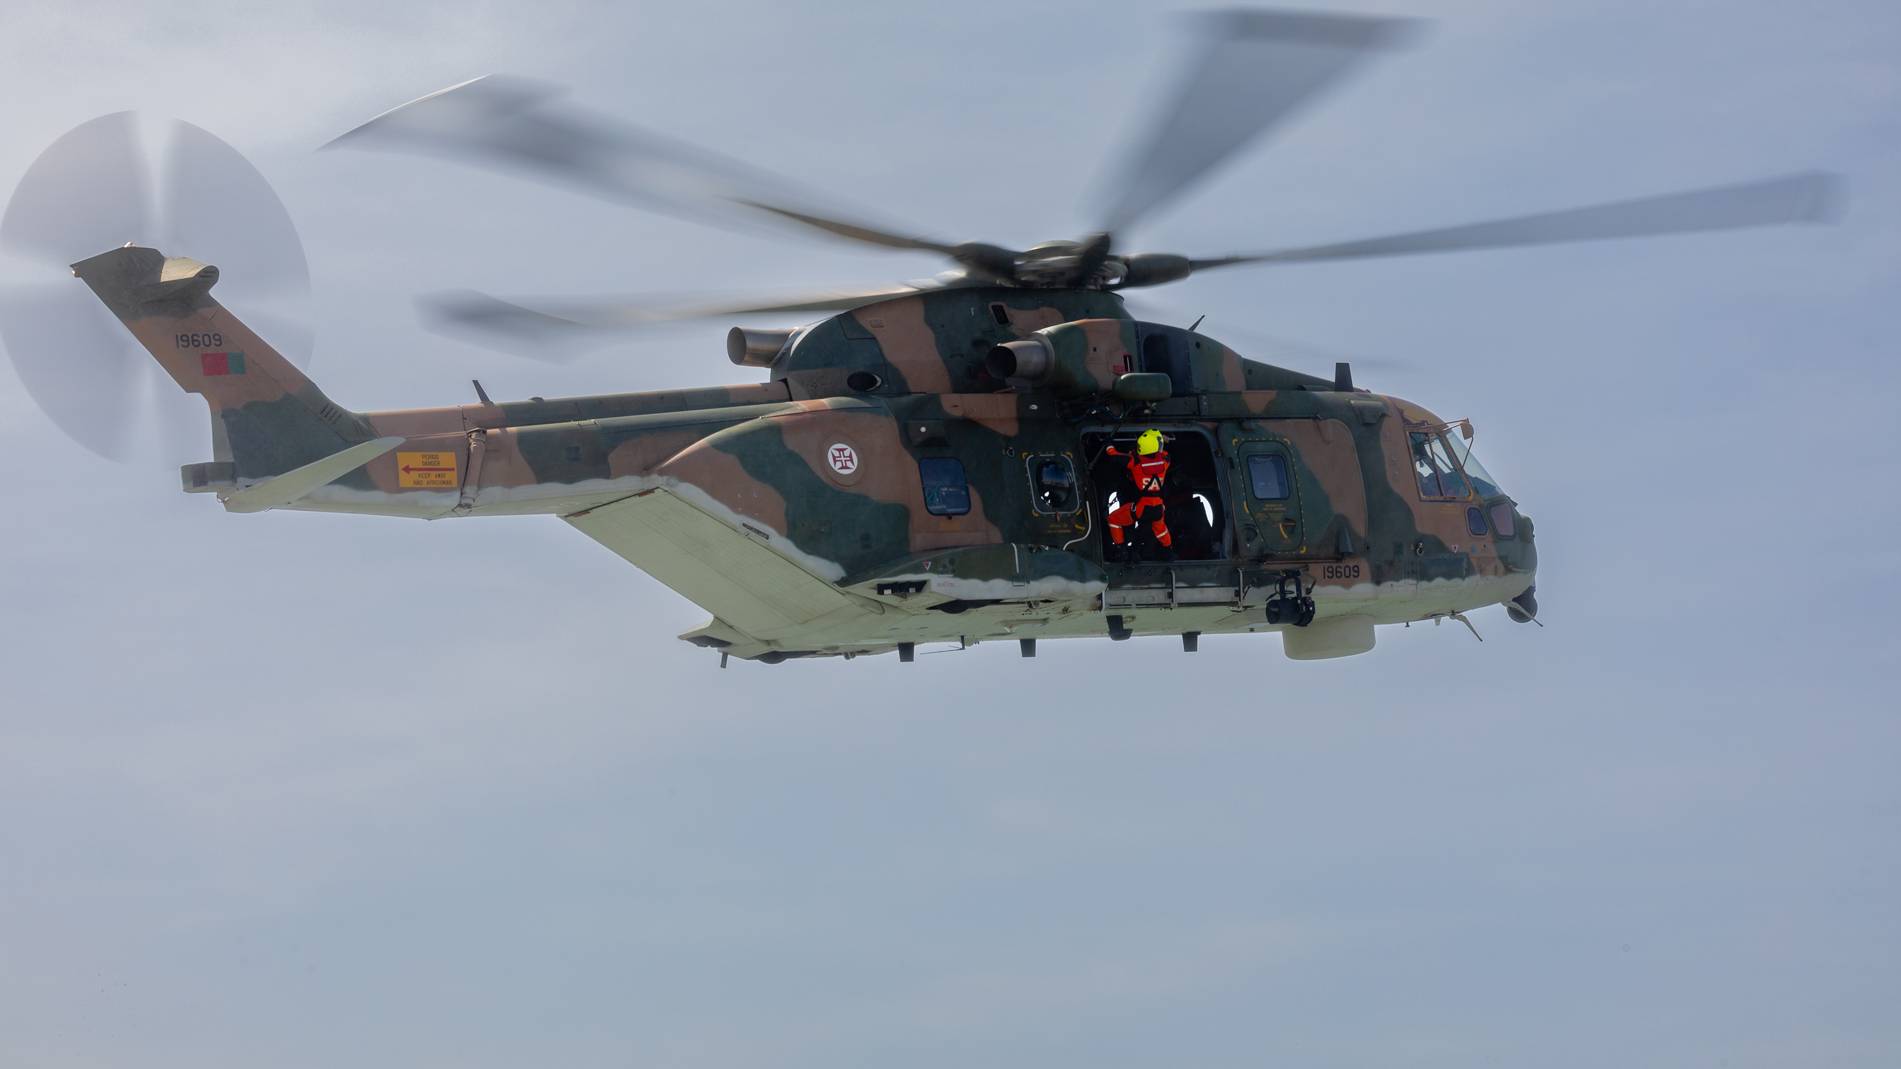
pixel 1148 470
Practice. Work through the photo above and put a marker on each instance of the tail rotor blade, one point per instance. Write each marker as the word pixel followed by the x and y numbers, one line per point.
pixel 218 208
pixel 1249 70
pixel 174 430
pixel 88 192
pixel 93 190
pixel 76 361
pixel 287 329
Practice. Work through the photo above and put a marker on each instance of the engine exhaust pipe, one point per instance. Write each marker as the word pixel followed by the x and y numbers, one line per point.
pixel 1029 360
pixel 756 348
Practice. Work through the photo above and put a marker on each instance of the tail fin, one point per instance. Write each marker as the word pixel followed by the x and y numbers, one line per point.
pixel 266 417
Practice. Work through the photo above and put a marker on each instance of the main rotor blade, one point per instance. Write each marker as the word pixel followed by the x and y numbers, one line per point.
pixel 517 124
pixel 1800 198
pixel 1249 70
pixel 851 231
pixel 562 329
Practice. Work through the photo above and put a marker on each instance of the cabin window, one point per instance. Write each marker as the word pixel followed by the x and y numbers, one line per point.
pixel 1267 477
pixel 1053 485
pixel 946 490
pixel 1475 520
pixel 1503 521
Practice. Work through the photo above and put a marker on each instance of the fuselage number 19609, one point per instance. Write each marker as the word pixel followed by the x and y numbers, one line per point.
pixel 1339 571
pixel 210 340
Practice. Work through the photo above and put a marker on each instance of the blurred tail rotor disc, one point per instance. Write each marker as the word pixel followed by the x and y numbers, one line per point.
pixel 96 188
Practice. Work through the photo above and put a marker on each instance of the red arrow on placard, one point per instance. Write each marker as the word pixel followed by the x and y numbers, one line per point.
pixel 407 469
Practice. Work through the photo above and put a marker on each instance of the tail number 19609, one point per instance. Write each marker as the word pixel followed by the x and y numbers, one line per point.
pixel 1340 571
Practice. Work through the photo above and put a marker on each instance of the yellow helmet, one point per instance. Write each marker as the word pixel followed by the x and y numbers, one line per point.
pixel 1148 442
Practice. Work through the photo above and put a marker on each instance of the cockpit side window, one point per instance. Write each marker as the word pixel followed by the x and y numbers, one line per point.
pixel 1437 475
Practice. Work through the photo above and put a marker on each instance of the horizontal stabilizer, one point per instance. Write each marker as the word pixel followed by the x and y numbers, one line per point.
pixel 732 574
pixel 288 487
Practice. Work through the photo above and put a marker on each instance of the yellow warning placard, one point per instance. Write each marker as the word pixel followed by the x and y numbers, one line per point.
pixel 431 470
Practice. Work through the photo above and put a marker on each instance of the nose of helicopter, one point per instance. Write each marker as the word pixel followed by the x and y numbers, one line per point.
pixel 1521 558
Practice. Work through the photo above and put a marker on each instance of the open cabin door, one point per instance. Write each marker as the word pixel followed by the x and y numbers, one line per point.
pixel 1194 509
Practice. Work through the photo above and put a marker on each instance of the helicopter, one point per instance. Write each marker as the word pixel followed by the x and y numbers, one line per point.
pixel 946 461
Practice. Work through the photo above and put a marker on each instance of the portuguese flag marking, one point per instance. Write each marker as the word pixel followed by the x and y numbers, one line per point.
pixel 231 363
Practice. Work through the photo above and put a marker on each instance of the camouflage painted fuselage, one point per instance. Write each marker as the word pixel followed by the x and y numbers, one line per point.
pixel 886 487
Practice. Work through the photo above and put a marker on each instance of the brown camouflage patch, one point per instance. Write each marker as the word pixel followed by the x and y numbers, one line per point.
pixel 908 344
pixel 995 412
pixel 721 477
pixel 1325 447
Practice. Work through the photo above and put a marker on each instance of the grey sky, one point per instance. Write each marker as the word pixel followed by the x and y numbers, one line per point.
pixel 314 790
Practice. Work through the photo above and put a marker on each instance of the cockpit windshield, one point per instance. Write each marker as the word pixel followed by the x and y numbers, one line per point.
pixel 1446 466
pixel 1482 481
